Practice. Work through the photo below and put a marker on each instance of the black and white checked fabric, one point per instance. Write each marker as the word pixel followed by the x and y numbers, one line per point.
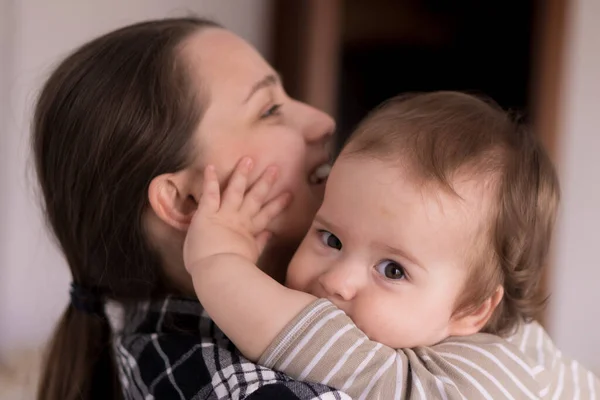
pixel 171 349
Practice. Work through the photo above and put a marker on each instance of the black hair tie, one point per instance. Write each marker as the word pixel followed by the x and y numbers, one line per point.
pixel 86 300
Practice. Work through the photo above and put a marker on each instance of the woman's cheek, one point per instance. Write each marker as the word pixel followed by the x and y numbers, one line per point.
pixel 290 178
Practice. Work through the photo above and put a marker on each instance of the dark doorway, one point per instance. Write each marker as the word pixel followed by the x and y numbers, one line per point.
pixel 347 56
pixel 390 47
pixel 364 51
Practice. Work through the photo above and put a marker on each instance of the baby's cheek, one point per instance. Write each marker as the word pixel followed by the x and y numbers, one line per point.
pixel 399 335
pixel 390 323
pixel 292 279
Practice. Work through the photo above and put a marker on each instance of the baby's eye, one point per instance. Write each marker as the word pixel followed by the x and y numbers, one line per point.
pixel 391 270
pixel 329 239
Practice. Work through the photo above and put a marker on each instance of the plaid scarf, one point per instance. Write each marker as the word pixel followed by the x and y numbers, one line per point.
pixel 171 349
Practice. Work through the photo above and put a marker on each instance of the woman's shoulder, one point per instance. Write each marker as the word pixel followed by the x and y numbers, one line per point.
pixel 168 315
pixel 170 348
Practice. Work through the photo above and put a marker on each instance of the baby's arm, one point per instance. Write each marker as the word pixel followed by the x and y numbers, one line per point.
pixel 224 241
pixel 249 306
pixel 323 345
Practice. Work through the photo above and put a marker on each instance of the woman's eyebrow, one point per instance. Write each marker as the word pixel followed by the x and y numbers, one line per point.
pixel 267 81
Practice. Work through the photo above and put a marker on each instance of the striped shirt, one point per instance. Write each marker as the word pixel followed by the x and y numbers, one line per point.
pixel 323 345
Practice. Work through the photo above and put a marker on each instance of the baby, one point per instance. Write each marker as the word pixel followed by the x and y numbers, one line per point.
pixel 435 225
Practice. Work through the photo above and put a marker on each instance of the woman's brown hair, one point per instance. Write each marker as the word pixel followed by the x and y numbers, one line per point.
pixel 113 115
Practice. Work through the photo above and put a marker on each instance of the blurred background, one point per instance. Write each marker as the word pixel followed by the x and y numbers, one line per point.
pixel 345 56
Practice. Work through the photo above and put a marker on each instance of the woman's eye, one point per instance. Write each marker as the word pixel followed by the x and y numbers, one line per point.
pixel 391 270
pixel 272 111
pixel 330 240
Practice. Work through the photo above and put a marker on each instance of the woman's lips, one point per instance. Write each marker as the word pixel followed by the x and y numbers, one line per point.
pixel 319 174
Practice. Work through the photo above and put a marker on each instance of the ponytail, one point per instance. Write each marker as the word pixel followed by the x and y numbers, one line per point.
pixel 80 362
pixel 117 112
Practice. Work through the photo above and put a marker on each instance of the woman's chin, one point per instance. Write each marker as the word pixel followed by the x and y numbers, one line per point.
pixel 289 228
pixel 275 258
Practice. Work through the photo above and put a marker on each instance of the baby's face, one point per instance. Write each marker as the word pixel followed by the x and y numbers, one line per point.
pixel 392 254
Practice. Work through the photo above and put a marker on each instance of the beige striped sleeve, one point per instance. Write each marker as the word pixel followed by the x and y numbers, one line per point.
pixel 323 345
pixel 559 376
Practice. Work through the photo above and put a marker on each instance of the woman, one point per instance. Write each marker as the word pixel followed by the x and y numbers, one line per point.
pixel 121 133
pixel 122 130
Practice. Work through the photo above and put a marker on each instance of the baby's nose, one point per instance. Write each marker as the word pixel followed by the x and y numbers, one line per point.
pixel 339 284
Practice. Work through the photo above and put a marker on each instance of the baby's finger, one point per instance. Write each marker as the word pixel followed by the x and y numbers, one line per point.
pixel 211 197
pixel 270 211
pixel 234 192
pixel 255 198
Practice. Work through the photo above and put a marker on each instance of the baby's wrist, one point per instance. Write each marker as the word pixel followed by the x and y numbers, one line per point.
pixel 217 260
pixel 213 275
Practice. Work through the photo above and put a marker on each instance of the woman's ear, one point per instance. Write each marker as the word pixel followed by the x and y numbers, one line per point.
pixel 173 199
pixel 472 322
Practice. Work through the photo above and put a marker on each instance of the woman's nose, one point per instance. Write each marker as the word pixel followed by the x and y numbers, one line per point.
pixel 340 282
pixel 316 125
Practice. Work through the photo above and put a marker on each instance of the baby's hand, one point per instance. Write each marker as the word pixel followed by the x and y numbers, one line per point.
pixel 236 222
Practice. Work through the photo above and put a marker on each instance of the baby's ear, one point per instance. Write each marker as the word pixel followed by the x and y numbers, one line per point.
pixel 172 198
pixel 465 324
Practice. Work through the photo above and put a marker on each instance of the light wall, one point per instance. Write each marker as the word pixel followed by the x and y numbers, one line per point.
pixel 34 36
pixel 575 304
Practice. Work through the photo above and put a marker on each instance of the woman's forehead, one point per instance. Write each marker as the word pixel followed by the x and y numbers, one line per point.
pixel 222 61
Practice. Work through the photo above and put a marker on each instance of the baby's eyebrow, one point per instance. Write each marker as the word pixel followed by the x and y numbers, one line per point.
pixel 324 222
pixel 404 254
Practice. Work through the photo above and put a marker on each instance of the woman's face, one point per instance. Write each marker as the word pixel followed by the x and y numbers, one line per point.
pixel 247 112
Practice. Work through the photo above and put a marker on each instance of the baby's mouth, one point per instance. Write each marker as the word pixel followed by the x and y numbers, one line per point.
pixel 320 174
